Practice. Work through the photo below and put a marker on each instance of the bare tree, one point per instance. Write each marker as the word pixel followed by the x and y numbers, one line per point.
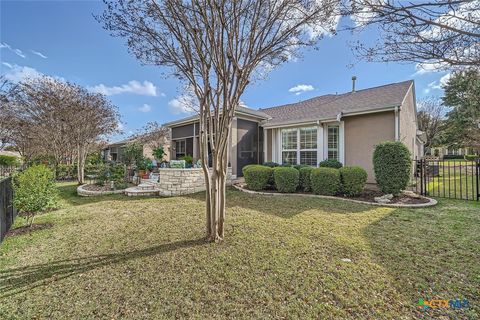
pixel 217 48
pixel 60 119
pixel 153 134
pixel 430 117
pixel 434 33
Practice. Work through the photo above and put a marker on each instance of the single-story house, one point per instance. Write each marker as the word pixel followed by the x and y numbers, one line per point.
pixel 441 151
pixel 114 151
pixel 345 127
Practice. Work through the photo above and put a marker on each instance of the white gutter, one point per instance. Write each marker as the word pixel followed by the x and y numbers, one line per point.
pixel 397 124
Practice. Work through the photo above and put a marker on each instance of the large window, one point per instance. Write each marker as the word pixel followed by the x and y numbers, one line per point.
pixel 180 148
pixel 299 146
pixel 333 143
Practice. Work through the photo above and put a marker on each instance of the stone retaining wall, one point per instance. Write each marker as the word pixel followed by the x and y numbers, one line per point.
pixel 81 191
pixel 175 182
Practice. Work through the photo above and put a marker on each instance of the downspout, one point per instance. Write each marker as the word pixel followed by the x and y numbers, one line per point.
pixel 397 124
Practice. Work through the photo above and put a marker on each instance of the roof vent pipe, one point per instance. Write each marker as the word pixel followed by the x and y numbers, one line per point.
pixel 354 78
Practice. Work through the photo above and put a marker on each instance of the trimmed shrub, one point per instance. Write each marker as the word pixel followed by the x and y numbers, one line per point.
pixel 330 164
pixel 304 178
pixel 270 164
pixel 288 165
pixel 286 179
pixel 257 176
pixel 35 191
pixel 8 160
pixel 471 157
pixel 452 157
pixel 325 181
pixel 393 166
pixel 352 180
pixel 300 166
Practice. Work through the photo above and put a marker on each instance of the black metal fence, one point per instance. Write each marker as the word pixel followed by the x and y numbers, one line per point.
pixel 454 179
pixel 7 211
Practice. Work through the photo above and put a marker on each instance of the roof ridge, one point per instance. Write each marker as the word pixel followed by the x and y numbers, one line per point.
pixel 337 96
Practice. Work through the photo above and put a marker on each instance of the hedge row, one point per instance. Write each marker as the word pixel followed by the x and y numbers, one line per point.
pixel 324 180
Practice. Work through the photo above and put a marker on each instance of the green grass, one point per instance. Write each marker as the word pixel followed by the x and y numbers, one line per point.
pixel 116 257
pixel 454 181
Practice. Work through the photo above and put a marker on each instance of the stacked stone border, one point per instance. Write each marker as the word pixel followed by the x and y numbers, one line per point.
pixel 431 202
pixel 81 191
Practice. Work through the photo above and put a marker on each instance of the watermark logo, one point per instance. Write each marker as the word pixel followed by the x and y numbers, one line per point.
pixel 442 303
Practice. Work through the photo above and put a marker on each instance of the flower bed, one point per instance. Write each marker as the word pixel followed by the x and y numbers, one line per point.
pixel 366 197
pixel 346 183
pixel 91 190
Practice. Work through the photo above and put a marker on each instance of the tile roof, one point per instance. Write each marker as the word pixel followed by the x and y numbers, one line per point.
pixel 330 105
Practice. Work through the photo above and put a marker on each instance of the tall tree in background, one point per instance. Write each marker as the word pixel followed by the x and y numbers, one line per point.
pixel 435 33
pixel 430 118
pixel 462 95
pixel 217 48
pixel 60 118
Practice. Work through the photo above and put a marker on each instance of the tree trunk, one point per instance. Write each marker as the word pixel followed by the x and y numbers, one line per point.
pixel 81 165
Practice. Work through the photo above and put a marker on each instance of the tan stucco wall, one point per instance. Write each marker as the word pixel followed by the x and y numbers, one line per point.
pixel 408 123
pixel 362 133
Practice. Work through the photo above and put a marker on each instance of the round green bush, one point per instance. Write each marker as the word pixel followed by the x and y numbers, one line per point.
pixel 257 176
pixel 330 164
pixel 286 179
pixel 304 178
pixel 300 166
pixel 325 181
pixel 352 180
pixel 392 164
pixel 35 191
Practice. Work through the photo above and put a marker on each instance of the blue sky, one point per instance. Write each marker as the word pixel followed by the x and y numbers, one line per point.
pixel 61 38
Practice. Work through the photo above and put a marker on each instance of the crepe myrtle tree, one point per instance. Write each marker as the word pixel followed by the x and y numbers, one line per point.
pixel 63 119
pixel 216 48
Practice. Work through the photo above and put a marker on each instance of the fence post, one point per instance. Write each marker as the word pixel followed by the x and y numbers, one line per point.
pixel 477 171
pixel 420 162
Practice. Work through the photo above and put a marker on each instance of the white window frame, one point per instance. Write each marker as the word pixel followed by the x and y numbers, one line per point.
pixel 338 148
pixel 184 145
pixel 298 149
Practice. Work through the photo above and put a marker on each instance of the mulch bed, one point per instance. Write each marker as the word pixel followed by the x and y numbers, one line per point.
pixel 26 229
pixel 367 195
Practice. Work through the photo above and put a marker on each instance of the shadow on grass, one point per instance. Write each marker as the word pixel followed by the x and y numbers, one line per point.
pixel 285 206
pixel 17 280
pixel 430 253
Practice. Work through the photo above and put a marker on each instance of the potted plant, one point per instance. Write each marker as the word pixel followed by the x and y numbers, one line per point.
pixel 188 160
pixel 159 153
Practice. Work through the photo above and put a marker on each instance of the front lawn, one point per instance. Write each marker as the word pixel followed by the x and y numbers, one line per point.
pixel 116 257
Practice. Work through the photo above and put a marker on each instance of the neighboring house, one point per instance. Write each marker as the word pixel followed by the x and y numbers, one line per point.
pixel 345 127
pixel 114 151
pixel 442 151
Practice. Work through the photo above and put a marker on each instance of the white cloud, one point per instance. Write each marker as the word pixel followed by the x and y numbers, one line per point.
pixel 300 88
pixel 182 104
pixel 8 65
pixel 145 108
pixel 135 87
pixel 438 84
pixel 19 73
pixel 41 55
pixel 18 52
